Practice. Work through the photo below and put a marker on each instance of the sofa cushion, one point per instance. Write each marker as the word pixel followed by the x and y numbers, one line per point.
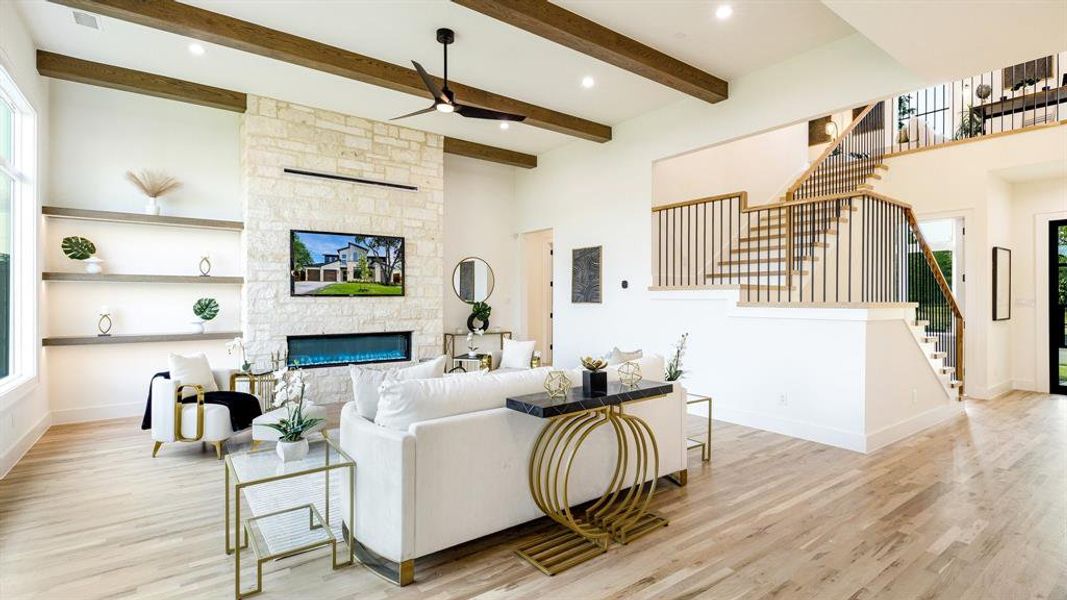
pixel 367 380
pixel 517 355
pixel 403 403
pixel 617 357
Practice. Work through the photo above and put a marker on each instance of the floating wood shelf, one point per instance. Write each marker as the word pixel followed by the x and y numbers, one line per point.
pixel 122 217
pixel 127 278
pixel 137 338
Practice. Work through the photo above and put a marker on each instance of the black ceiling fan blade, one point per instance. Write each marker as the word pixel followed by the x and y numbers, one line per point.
pixel 418 112
pixel 473 112
pixel 430 84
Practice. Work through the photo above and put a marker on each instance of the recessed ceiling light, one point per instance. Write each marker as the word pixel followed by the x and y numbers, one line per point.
pixel 504 125
pixel 724 11
pixel 196 49
pixel 588 82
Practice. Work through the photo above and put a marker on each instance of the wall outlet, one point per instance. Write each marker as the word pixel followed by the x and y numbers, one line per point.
pixel 782 400
pixel 914 396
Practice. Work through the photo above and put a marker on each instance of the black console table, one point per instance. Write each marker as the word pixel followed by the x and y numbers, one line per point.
pixel 621 514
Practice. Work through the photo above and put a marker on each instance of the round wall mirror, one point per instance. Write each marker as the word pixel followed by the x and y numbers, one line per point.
pixel 473 280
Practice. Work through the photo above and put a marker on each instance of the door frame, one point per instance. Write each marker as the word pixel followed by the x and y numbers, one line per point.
pixel 1052 346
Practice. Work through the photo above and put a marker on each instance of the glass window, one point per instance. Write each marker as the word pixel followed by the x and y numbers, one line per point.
pixel 7 188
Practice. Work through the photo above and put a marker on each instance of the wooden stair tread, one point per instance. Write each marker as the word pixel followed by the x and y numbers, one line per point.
pixel 779 273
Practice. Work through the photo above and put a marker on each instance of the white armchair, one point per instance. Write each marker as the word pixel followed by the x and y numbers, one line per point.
pixel 177 421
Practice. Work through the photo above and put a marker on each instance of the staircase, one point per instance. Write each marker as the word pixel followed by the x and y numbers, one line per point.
pixel 831 240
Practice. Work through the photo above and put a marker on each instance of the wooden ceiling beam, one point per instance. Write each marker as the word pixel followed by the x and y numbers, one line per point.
pixel 489 153
pixel 193 22
pixel 68 68
pixel 576 32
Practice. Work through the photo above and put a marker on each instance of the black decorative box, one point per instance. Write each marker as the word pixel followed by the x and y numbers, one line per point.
pixel 594 383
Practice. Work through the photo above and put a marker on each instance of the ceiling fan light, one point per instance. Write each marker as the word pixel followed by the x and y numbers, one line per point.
pixel 445 108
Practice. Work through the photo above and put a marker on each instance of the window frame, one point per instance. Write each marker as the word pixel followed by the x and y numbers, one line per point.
pixel 25 278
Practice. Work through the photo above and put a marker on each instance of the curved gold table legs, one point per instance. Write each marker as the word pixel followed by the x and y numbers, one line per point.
pixel 620 514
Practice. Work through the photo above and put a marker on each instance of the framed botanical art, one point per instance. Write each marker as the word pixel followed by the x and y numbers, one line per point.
pixel 586 275
pixel 1001 284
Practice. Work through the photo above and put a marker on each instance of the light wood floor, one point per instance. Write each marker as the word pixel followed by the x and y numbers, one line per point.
pixel 973 509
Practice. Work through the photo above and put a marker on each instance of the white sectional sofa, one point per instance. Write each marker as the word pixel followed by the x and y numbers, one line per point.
pixel 443 481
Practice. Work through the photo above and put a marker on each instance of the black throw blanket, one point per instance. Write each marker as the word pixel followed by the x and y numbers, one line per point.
pixel 243 407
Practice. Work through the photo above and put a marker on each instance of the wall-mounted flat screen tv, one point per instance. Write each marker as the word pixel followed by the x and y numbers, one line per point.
pixel 345 264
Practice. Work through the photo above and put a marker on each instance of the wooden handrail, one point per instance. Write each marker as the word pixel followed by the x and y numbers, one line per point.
pixel 827 198
pixel 827 152
pixel 705 200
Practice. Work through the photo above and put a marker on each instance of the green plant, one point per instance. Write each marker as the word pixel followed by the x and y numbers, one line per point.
pixel 481 311
pixel 674 369
pixel 78 248
pixel 206 308
pixel 593 364
pixel 971 124
pixel 289 391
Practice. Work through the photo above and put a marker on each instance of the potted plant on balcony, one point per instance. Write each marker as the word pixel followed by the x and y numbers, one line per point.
pixel 289 392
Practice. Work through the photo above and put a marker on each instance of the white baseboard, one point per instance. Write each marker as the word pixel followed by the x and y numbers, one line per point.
pixel 798 429
pixel 894 433
pixel 988 393
pixel 10 458
pixel 97 413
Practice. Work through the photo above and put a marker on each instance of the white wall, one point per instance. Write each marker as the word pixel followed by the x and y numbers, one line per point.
pixel 968 180
pixel 98 135
pixel 763 165
pixel 24 414
pixel 1034 204
pixel 601 194
pixel 479 221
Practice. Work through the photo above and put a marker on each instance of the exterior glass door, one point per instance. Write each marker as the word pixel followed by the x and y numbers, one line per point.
pixel 1057 305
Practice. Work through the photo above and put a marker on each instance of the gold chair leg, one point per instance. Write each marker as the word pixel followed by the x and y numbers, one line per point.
pixel 680 478
pixel 218 449
pixel 406 572
pixel 255 444
pixel 155 448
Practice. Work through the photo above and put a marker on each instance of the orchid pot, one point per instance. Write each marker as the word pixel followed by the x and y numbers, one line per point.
pixel 292 451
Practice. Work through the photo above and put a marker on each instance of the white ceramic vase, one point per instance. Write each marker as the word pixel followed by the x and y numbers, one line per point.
pixel 292 451
pixel 198 326
pixel 92 265
pixel 151 207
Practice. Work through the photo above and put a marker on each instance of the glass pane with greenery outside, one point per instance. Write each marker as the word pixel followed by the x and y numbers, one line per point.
pixel 923 289
pixel 6 188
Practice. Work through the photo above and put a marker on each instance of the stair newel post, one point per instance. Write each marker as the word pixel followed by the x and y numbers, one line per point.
pixel 960 375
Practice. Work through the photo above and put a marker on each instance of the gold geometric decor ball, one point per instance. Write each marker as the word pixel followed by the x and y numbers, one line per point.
pixel 630 373
pixel 557 384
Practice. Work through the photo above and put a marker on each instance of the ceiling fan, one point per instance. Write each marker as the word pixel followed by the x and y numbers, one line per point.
pixel 444 99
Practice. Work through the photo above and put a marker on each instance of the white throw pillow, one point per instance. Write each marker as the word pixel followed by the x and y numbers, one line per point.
pixel 516 354
pixel 192 370
pixel 617 357
pixel 367 380
pixel 406 402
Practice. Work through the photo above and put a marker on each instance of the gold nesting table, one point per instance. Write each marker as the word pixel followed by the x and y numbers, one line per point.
pixel 621 514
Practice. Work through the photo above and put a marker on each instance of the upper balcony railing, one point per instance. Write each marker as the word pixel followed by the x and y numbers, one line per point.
pixel 1025 95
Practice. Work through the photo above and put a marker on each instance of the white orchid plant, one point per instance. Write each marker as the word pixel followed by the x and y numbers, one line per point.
pixel 472 348
pixel 289 392
pixel 237 344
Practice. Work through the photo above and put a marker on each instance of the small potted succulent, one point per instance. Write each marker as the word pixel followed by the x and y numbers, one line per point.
pixel 79 248
pixel 205 309
pixel 289 392
pixel 594 378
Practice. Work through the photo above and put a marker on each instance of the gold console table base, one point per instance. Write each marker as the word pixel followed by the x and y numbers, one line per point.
pixel 621 514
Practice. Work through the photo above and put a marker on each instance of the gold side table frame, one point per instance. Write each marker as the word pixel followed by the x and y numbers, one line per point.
pixel 621 514
pixel 263 382
pixel 344 462
pixel 694 442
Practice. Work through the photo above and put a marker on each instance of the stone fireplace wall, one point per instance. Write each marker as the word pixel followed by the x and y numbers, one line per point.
pixel 276 135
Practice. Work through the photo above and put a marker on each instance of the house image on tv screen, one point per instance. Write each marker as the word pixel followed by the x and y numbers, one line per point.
pixel 331 264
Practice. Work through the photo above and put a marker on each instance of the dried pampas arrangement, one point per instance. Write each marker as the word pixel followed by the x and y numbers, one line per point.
pixel 153 184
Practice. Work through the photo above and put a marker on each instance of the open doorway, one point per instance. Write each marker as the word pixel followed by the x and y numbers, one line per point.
pixel 1057 306
pixel 537 290
pixel 945 237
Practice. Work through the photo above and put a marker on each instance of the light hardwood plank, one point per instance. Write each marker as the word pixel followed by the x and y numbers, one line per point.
pixel 971 509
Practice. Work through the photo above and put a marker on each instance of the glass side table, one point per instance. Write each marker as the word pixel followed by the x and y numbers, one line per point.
pixel 694 442
pixel 290 504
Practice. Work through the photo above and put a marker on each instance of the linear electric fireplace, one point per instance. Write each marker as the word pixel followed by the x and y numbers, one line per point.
pixel 313 351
